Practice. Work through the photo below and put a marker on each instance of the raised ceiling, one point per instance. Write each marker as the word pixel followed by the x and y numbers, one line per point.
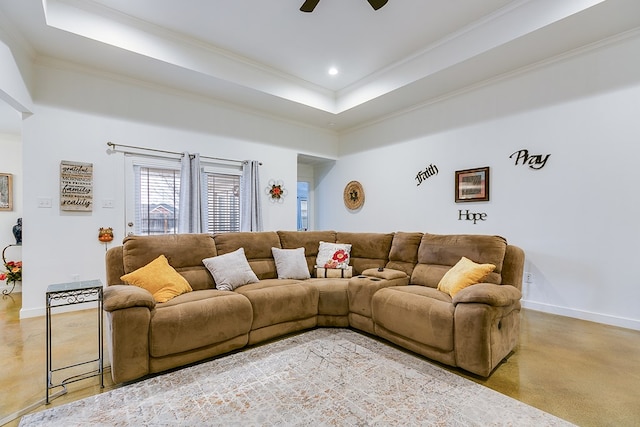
pixel 268 56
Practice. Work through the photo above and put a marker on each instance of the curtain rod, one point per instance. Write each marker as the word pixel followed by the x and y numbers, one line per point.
pixel 175 153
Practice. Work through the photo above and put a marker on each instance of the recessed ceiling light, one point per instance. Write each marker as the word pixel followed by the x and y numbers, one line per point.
pixel 333 71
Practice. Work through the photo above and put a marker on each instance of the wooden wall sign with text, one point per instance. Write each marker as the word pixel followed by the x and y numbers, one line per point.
pixel 76 186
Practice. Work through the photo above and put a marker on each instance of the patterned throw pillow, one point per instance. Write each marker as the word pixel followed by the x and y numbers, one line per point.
pixel 333 255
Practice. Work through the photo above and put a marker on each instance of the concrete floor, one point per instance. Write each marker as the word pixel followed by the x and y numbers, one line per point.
pixel 586 373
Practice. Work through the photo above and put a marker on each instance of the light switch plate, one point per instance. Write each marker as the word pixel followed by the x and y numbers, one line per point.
pixel 44 202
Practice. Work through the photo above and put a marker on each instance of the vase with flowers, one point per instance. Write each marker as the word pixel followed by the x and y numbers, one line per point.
pixel 12 274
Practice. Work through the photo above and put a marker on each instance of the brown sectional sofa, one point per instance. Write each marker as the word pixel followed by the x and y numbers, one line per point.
pixel 475 330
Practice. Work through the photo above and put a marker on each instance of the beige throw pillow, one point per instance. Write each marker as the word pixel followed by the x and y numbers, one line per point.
pixel 291 263
pixel 465 273
pixel 231 270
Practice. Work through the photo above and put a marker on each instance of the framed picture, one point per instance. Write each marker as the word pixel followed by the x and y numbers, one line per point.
pixel 6 192
pixel 472 185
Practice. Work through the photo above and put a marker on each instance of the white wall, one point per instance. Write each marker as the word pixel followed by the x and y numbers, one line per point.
pixel 576 219
pixel 76 113
pixel 11 162
pixel 12 86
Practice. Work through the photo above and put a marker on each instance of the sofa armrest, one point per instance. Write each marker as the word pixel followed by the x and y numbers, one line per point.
pixel 128 311
pixel 488 293
pixel 385 273
pixel 118 297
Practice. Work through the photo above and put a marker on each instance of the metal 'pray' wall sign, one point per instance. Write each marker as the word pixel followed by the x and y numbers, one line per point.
pixel 534 161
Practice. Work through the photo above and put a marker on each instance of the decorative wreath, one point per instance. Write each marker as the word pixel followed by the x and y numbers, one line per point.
pixel 276 191
pixel 353 195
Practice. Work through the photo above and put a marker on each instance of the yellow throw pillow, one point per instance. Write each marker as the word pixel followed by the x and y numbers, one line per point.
pixel 464 273
pixel 159 278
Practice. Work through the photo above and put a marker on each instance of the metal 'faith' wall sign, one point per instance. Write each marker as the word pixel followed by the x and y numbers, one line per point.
pixel 427 173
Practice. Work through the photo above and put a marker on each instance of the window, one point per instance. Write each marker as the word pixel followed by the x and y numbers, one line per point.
pixel 155 204
pixel 156 200
pixel 223 202
pixel 303 206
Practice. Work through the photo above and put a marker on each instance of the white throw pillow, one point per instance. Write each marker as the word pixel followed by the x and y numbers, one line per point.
pixel 333 255
pixel 230 270
pixel 291 263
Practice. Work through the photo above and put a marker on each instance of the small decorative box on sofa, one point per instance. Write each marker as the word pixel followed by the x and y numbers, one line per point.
pixel 334 273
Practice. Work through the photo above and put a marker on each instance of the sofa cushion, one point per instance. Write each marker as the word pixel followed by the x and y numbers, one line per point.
pixel 403 255
pixel 184 252
pixel 291 263
pixel 198 319
pixel 464 274
pixel 438 253
pixel 159 278
pixel 427 314
pixel 257 247
pixel 332 296
pixel 368 250
pixel 309 240
pixel 277 301
pixel 230 270
pixel 333 255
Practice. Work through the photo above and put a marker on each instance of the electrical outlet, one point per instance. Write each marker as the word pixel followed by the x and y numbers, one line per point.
pixel 528 277
pixel 44 202
pixel 75 277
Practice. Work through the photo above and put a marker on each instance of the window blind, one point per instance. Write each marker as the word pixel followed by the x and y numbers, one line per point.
pixel 157 194
pixel 223 200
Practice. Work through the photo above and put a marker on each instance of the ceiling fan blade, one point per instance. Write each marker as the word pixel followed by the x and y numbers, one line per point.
pixel 377 4
pixel 309 5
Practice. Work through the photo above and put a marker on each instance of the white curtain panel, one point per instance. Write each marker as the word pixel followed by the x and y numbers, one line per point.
pixel 250 206
pixel 193 207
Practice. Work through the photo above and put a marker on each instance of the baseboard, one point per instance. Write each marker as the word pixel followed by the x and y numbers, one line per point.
pixel 32 312
pixel 41 311
pixel 606 319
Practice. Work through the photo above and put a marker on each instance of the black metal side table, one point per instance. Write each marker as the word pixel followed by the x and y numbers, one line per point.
pixel 61 295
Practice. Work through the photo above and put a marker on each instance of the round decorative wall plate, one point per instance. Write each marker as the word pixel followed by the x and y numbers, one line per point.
pixel 353 195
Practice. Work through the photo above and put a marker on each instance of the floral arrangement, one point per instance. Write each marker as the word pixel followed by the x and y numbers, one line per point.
pixel 13 271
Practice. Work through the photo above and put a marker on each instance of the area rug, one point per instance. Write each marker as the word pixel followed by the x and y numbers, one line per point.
pixel 330 377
